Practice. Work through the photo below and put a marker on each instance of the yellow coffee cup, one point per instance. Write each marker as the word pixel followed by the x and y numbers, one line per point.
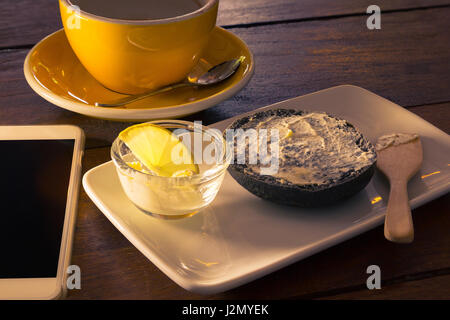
pixel 135 56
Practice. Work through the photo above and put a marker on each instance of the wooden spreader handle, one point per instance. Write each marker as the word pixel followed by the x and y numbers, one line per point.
pixel 398 226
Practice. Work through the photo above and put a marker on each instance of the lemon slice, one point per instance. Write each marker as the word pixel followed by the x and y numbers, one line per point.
pixel 138 166
pixel 159 150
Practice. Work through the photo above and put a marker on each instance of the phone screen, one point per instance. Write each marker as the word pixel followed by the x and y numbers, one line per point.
pixel 33 193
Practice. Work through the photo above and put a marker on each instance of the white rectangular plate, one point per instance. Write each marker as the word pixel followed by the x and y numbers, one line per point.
pixel 241 237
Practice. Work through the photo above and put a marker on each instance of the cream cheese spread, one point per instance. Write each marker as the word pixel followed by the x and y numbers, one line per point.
pixel 394 139
pixel 314 148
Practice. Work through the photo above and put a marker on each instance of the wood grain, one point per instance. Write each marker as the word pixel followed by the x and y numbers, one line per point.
pixel 262 11
pixel 406 62
pixel 33 20
pixel 434 288
pixel 298 58
pixel 113 269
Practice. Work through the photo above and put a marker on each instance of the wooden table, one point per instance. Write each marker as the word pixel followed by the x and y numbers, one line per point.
pixel 299 47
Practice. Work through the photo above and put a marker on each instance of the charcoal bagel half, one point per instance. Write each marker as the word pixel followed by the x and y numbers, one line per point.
pixel 304 195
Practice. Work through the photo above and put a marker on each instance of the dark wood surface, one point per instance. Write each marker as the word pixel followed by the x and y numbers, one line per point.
pixel 299 47
pixel 35 19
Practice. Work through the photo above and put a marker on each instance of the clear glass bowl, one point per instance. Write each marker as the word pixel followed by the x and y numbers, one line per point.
pixel 176 197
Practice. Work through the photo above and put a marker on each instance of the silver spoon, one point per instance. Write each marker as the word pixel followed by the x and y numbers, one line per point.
pixel 214 75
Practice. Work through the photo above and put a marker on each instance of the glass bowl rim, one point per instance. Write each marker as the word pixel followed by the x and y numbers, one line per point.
pixel 208 174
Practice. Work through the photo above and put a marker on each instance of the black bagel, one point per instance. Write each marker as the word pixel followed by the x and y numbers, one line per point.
pixel 304 195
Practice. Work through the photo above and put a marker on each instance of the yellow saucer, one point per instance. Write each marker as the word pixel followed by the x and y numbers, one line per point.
pixel 55 73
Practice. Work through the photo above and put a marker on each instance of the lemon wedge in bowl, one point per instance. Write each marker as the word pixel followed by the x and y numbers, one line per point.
pixel 159 150
pixel 155 165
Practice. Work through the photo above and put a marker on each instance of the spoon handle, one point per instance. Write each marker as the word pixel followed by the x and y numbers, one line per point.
pixel 398 226
pixel 130 99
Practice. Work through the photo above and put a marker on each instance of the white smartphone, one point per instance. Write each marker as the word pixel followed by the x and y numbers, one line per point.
pixel 39 185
